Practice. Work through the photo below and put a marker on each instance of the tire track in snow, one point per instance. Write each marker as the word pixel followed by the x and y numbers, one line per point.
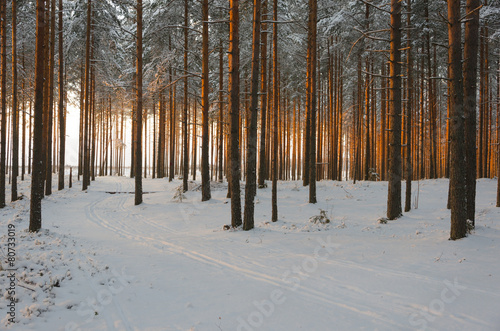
pixel 160 244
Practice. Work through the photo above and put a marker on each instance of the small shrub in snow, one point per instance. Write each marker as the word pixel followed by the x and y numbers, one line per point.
pixel 373 175
pixel 179 194
pixel 322 218
pixel 470 226
pixel 382 220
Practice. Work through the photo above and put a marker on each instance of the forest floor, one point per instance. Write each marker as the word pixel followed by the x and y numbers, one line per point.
pixel 101 263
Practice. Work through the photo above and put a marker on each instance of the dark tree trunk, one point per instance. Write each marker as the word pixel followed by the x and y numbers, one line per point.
pixel 37 170
pixel 313 18
pixel 205 171
pixel 3 101
pixel 62 114
pixel 251 169
pixel 409 110
pixel 185 139
pixel 86 154
pixel 263 102
pixel 138 111
pixel 220 125
pixel 274 190
pixel 50 104
pixel 457 156
pixel 394 191
pixel 160 168
pixel 234 104
pixel 470 75
pixel 15 110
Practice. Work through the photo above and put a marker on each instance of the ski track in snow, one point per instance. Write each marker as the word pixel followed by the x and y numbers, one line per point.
pixel 116 214
pixel 126 231
pixel 132 228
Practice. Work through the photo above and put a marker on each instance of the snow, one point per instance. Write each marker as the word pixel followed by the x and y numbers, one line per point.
pixel 101 263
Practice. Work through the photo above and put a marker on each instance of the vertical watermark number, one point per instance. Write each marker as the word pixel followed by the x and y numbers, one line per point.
pixel 11 272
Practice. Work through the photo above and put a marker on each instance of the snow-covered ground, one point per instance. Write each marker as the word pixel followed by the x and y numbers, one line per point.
pixel 101 263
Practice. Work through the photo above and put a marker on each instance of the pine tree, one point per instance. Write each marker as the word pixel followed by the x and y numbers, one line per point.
pixel 251 169
pixel 457 157
pixel 394 192
pixel 234 114
pixel 138 110
pixel 37 168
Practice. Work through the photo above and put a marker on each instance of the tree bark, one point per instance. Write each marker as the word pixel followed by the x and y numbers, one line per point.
pixel 86 154
pixel 409 109
pixel 274 198
pixel 234 103
pixel 50 101
pixel 471 47
pixel 205 171
pixel 457 157
pixel 37 170
pixel 394 190
pixel 185 139
pixel 313 18
pixel 15 110
pixel 3 101
pixel 138 111
pixel 251 169
pixel 263 102
pixel 62 113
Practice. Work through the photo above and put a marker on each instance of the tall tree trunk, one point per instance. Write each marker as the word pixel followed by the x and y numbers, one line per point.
pixel 3 101
pixel 160 168
pixel 220 124
pixel 23 112
pixel 205 171
pixel 15 110
pixel 394 191
pixel 62 114
pixel 138 111
pixel 50 104
pixel 274 198
pixel 409 109
pixel 313 18
pixel 471 47
pixel 457 161
pixel 498 136
pixel 86 154
pixel 234 104
pixel 37 173
pixel 185 144
pixel 263 101
pixel 251 169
